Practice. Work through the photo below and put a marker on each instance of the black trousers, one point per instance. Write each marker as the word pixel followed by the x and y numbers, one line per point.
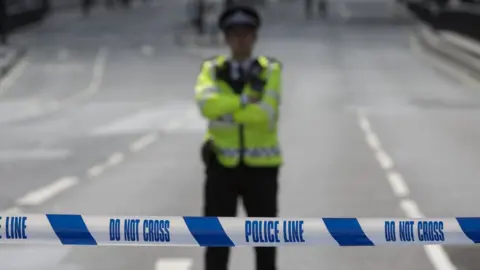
pixel 258 188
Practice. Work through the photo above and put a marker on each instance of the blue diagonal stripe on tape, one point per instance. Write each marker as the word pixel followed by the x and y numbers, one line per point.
pixel 347 232
pixel 208 231
pixel 71 229
pixel 471 228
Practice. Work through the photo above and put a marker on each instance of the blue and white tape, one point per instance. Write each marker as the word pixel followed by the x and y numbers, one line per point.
pixel 211 231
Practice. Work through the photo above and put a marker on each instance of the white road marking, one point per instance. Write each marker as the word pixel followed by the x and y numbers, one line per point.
pixel 439 257
pixel 143 142
pixel 43 194
pixel 411 208
pixel 147 50
pixel 96 170
pixel 115 159
pixel 398 185
pixel 173 125
pixel 190 120
pixel 17 154
pixel 173 264
pixel 373 141
pixel 435 253
pixel 13 76
pixel 97 76
pixel 384 160
pixel 144 121
pixel 364 123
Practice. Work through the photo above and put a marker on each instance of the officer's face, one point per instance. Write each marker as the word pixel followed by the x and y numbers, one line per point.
pixel 241 39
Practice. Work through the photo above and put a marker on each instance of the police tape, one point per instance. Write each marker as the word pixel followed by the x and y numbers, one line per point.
pixel 67 229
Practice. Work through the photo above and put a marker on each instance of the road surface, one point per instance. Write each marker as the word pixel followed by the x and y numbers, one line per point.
pixel 99 119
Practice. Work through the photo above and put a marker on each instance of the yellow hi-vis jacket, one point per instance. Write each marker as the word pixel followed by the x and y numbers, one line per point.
pixel 241 132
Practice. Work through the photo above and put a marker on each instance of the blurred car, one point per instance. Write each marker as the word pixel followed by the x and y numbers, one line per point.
pixel 20 13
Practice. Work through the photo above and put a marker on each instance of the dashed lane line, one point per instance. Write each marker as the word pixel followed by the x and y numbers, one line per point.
pixel 173 264
pixel 373 141
pixel 43 194
pixel 398 184
pixel 95 170
pixel 143 142
pixel 385 161
pixel 115 159
pixel 435 253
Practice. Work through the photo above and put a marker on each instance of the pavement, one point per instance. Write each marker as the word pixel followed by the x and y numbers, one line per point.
pixel 99 119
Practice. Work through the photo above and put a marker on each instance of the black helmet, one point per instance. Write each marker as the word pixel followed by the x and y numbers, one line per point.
pixel 239 16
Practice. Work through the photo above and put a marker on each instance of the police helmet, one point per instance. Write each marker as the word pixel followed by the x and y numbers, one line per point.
pixel 239 16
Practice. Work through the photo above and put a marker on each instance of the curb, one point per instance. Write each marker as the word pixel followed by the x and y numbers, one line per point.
pixel 464 43
pixel 447 51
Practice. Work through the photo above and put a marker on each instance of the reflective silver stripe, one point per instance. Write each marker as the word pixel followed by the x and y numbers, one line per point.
pixel 252 152
pixel 221 124
pixel 271 113
pixel 269 109
pixel 201 104
pixel 229 152
pixel 209 90
pixel 227 118
pixel 273 94
pixel 270 70
pixel 224 122
pixel 262 152
pixel 211 70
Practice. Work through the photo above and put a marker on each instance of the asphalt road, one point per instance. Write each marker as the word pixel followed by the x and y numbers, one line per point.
pixel 99 119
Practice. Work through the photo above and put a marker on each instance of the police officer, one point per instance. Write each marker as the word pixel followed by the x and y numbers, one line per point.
pixel 239 95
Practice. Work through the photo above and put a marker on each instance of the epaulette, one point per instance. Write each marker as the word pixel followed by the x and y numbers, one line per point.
pixel 274 60
pixel 208 59
pixel 213 58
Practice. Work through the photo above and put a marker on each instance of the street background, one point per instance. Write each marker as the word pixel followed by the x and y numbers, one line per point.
pixel 98 117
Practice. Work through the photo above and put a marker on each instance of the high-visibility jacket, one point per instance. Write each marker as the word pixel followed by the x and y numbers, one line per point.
pixel 241 132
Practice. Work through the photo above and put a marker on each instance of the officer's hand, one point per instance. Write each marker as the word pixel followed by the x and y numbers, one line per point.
pixel 257 84
pixel 246 99
pixel 254 99
pixel 254 78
